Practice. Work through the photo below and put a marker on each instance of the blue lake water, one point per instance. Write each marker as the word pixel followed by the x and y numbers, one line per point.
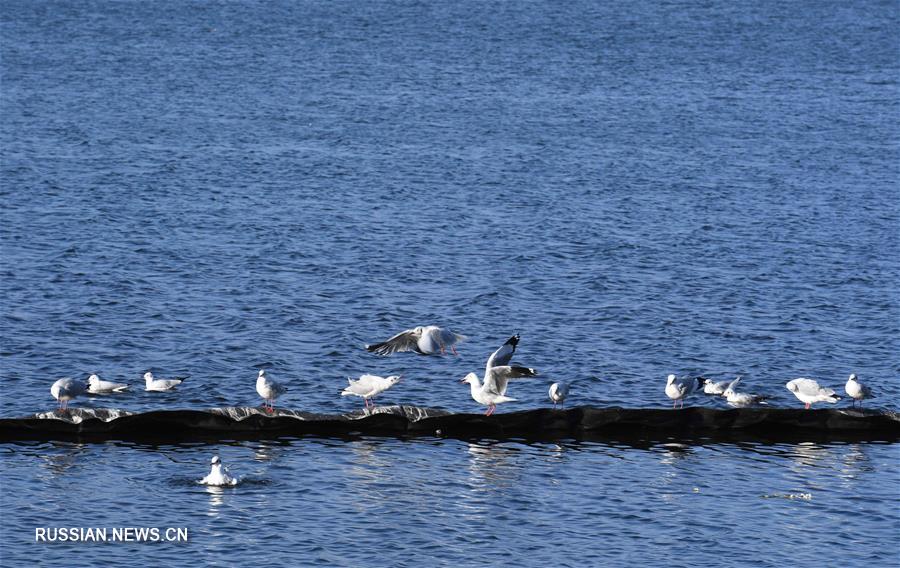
pixel 637 189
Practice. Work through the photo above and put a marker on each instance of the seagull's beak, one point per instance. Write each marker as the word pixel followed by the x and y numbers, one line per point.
pixel 462 380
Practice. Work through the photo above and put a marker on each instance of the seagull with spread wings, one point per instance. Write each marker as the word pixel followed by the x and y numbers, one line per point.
pixel 424 340
pixel 497 374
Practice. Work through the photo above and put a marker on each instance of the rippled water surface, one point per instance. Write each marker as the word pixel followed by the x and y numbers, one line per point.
pixel 637 189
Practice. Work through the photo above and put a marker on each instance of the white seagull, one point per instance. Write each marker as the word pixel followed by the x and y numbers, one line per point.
pixel 160 384
pixel 424 340
pixel 741 399
pixel 679 389
pixel 558 393
pixel 711 387
pixel 369 386
pixel 218 475
pixel 65 390
pixel 98 386
pixel 269 390
pixel 809 391
pixel 856 390
pixel 497 374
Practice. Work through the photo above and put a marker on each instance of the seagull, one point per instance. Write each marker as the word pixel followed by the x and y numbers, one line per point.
pixel 741 399
pixel 710 387
pixel 65 390
pixel 857 390
pixel 97 386
pixel 497 374
pixel 424 340
pixel 269 390
pixel 218 475
pixel 160 384
pixel 558 393
pixel 679 389
pixel 368 386
pixel 809 391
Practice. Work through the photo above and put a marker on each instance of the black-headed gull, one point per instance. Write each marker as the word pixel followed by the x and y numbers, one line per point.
pixel 424 340
pixel 218 475
pixel 857 391
pixel 65 390
pixel 369 386
pixel 98 386
pixel 269 390
pixel 741 399
pixel 160 384
pixel 558 393
pixel 809 391
pixel 677 389
pixel 712 387
pixel 497 374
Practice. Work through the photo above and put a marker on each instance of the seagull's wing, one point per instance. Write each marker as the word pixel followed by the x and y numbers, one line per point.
pixel 368 379
pixel 733 384
pixel 497 378
pixel 404 341
pixel 808 387
pixel 503 355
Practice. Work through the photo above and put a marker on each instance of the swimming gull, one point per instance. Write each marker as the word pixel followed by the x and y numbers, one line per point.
pixel 677 389
pixel 269 390
pixel 369 386
pixel 160 384
pixel 809 391
pixel 741 399
pixel 98 386
pixel 497 374
pixel 558 393
pixel 857 390
pixel 712 387
pixel 218 475
pixel 65 390
pixel 424 340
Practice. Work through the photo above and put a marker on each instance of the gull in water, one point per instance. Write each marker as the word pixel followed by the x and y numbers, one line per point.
pixel 677 389
pixel 558 393
pixel 97 386
pixel 65 390
pixel 856 390
pixel 160 384
pixel 741 399
pixel 218 475
pixel 497 374
pixel 809 391
pixel 269 390
pixel 712 387
pixel 424 340
pixel 369 386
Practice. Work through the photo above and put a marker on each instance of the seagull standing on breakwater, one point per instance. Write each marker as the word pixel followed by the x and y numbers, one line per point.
pixel 369 386
pixel 856 390
pixel 678 389
pixel 809 391
pixel 424 340
pixel 269 390
pixel 65 390
pixel 497 374
pixel 558 393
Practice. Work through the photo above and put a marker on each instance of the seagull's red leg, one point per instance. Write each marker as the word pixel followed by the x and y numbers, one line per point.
pixel 807 406
pixel 452 348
